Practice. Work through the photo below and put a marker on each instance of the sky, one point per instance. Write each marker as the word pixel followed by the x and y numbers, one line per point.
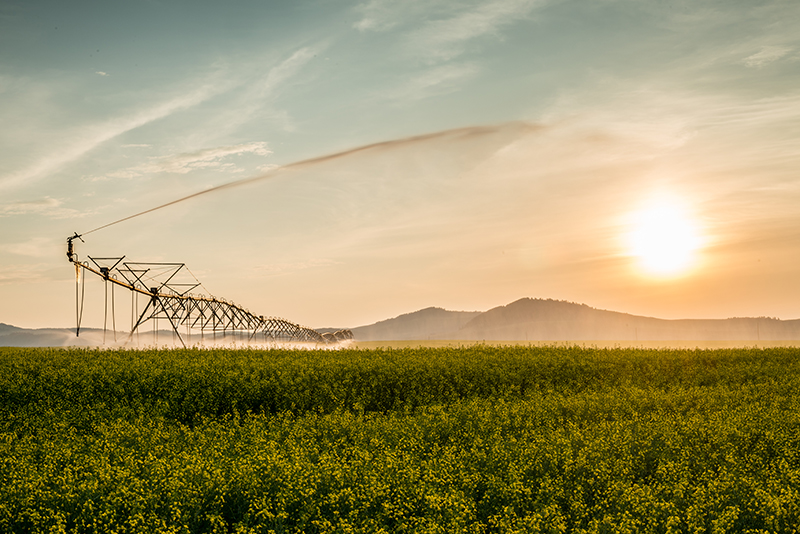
pixel 640 156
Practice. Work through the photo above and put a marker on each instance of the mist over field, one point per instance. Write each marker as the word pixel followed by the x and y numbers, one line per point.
pixel 522 321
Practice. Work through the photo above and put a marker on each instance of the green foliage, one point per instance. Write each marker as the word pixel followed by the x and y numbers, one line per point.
pixel 478 439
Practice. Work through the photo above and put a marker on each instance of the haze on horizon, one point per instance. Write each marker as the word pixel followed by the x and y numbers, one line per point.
pixel 636 156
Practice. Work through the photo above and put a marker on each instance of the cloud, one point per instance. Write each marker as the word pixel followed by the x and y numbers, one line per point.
pixel 434 81
pixel 767 55
pixel 256 93
pixel 38 247
pixel 444 26
pixel 48 207
pixel 100 133
pixel 382 15
pixel 250 101
pixel 23 274
pixel 210 157
pixel 124 174
pixel 447 38
pixel 188 161
pixel 26 207
pixel 438 32
pixel 732 154
pixel 288 68
pixel 101 73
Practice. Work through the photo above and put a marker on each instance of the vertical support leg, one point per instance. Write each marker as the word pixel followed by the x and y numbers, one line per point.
pixel 105 309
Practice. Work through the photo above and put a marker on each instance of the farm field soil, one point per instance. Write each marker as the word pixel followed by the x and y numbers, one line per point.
pixel 477 438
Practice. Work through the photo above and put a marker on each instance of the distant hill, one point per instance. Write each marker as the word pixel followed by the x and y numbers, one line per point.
pixel 429 323
pixel 553 320
pixel 526 319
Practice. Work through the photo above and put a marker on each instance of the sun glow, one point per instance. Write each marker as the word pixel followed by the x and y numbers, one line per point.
pixel 664 238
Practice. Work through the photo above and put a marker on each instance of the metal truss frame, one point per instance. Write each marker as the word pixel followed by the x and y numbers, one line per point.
pixel 174 302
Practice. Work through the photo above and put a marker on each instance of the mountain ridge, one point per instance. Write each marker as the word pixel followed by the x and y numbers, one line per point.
pixel 525 319
pixel 534 319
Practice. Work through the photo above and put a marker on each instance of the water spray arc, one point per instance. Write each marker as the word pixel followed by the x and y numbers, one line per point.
pixel 173 302
pixel 168 298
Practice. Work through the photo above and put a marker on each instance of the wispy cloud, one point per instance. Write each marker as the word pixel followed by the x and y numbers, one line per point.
pixel 288 68
pixel 732 154
pixel 101 73
pixel 33 206
pixel 438 32
pixel 23 274
pixel 243 105
pixel 100 133
pixel 437 80
pixel 257 93
pixel 38 247
pixel 188 161
pixel 268 167
pixel 447 38
pixel 383 15
pixel 210 157
pixel 48 207
pixel 765 56
pixel 444 27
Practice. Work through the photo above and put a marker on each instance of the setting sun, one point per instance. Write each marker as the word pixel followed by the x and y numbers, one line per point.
pixel 664 238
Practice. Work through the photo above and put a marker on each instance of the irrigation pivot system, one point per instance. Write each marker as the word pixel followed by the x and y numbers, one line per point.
pixel 168 294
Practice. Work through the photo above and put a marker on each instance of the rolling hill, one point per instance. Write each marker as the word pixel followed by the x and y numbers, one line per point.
pixel 429 323
pixel 526 319
pixel 543 320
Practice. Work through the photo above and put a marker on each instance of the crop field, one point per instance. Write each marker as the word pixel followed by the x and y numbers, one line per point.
pixel 473 439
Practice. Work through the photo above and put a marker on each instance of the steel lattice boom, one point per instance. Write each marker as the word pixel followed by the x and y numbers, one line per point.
pixel 169 297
